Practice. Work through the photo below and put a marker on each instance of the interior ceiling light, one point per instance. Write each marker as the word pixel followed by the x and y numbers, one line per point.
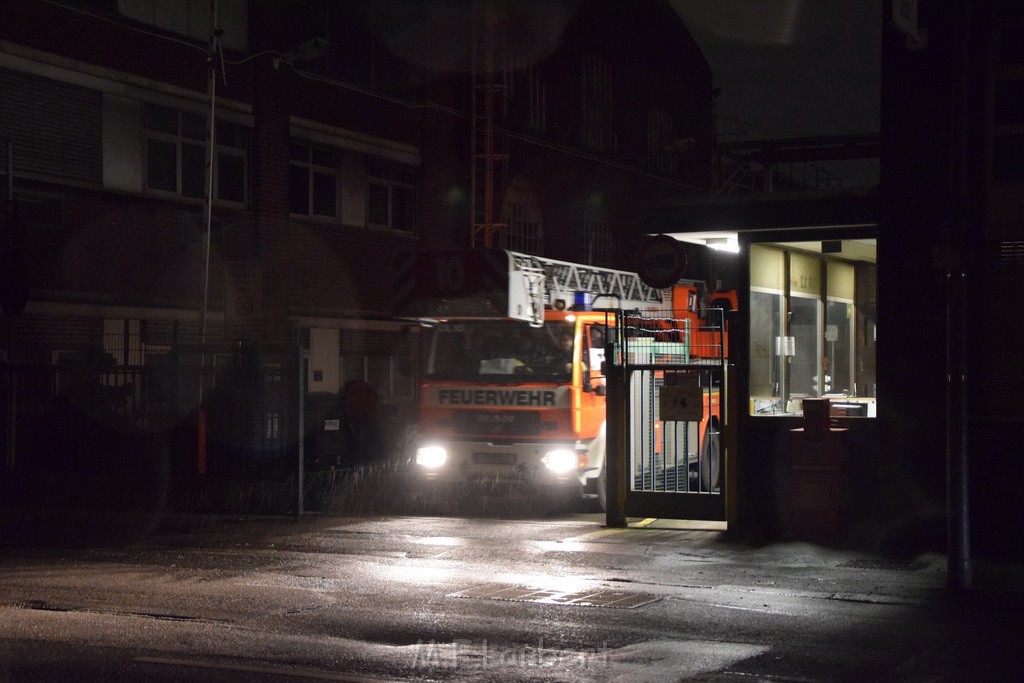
pixel 723 244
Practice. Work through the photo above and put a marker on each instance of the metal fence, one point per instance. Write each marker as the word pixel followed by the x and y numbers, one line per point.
pixel 79 434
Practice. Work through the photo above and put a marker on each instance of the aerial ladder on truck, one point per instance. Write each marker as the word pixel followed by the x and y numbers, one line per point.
pixel 513 390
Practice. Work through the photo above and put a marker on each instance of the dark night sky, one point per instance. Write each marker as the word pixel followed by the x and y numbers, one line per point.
pixel 793 68
pixel 786 68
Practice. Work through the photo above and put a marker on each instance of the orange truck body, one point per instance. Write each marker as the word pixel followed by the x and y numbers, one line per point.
pixel 503 428
pixel 491 415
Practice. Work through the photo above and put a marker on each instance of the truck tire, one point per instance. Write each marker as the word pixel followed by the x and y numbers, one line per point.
pixel 711 460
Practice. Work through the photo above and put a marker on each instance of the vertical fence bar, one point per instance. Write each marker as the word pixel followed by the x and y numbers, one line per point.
pixel 301 436
pixel 647 421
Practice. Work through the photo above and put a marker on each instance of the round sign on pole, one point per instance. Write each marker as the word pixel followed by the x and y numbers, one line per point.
pixel 660 261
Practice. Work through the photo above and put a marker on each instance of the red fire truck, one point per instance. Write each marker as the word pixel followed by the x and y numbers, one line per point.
pixel 513 387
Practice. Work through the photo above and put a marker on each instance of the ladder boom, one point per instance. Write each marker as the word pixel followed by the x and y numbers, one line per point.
pixel 562 279
pixel 474 283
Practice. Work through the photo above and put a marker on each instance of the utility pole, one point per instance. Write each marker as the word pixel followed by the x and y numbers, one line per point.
pixel 211 124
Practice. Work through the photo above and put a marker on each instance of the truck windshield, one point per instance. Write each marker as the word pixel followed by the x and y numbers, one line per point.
pixel 501 352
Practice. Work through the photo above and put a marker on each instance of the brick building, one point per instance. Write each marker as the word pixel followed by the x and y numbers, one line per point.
pixel 345 133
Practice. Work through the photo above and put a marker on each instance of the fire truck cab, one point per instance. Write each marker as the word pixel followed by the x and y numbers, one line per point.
pixel 512 386
pixel 504 402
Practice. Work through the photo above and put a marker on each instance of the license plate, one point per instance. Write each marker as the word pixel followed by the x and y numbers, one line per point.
pixel 494 458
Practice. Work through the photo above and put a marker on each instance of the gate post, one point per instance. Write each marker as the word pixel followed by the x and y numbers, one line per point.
pixel 615 453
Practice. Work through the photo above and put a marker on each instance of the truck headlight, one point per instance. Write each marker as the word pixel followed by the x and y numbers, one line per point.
pixel 560 461
pixel 431 457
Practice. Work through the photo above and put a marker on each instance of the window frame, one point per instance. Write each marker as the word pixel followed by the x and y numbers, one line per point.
pixel 661 134
pixel 179 139
pixel 596 237
pixel 392 184
pixel 597 105
pixel 523 218
pixel 786 364
pixel 528 94
pixel 382 371
pixel 313 169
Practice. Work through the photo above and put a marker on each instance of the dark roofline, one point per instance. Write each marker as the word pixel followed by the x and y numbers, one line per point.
pixel 820 148
pixel 858 206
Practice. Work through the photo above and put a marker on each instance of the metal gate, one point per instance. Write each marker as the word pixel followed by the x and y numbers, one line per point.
pixel 666 455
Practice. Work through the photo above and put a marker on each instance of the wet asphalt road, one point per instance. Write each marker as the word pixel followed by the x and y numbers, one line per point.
pixel 482 597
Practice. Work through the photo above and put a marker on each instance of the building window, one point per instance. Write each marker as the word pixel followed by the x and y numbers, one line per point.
pixel 314 180
pixel 596 235
pixel 597 106
pixel 136 343
pixel 391 195
pixel 525 230
pixel 1006 111
pixel 121 341
pixel 231 165
pixel 661 134
pixel 527 96
pixel 839 338
pixel 382 359
pixel 812 329
pixel 525 224
pixel 55 129
pixel 176 155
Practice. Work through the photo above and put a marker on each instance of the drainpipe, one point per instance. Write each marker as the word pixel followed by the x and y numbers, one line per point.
pixel 12 387
pixel 959 570
pixel 302 428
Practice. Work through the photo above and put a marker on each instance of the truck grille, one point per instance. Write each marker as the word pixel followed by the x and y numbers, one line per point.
pixel 498 422
pixel 494 458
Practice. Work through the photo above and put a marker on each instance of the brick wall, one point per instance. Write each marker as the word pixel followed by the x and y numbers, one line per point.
pixel 132 250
